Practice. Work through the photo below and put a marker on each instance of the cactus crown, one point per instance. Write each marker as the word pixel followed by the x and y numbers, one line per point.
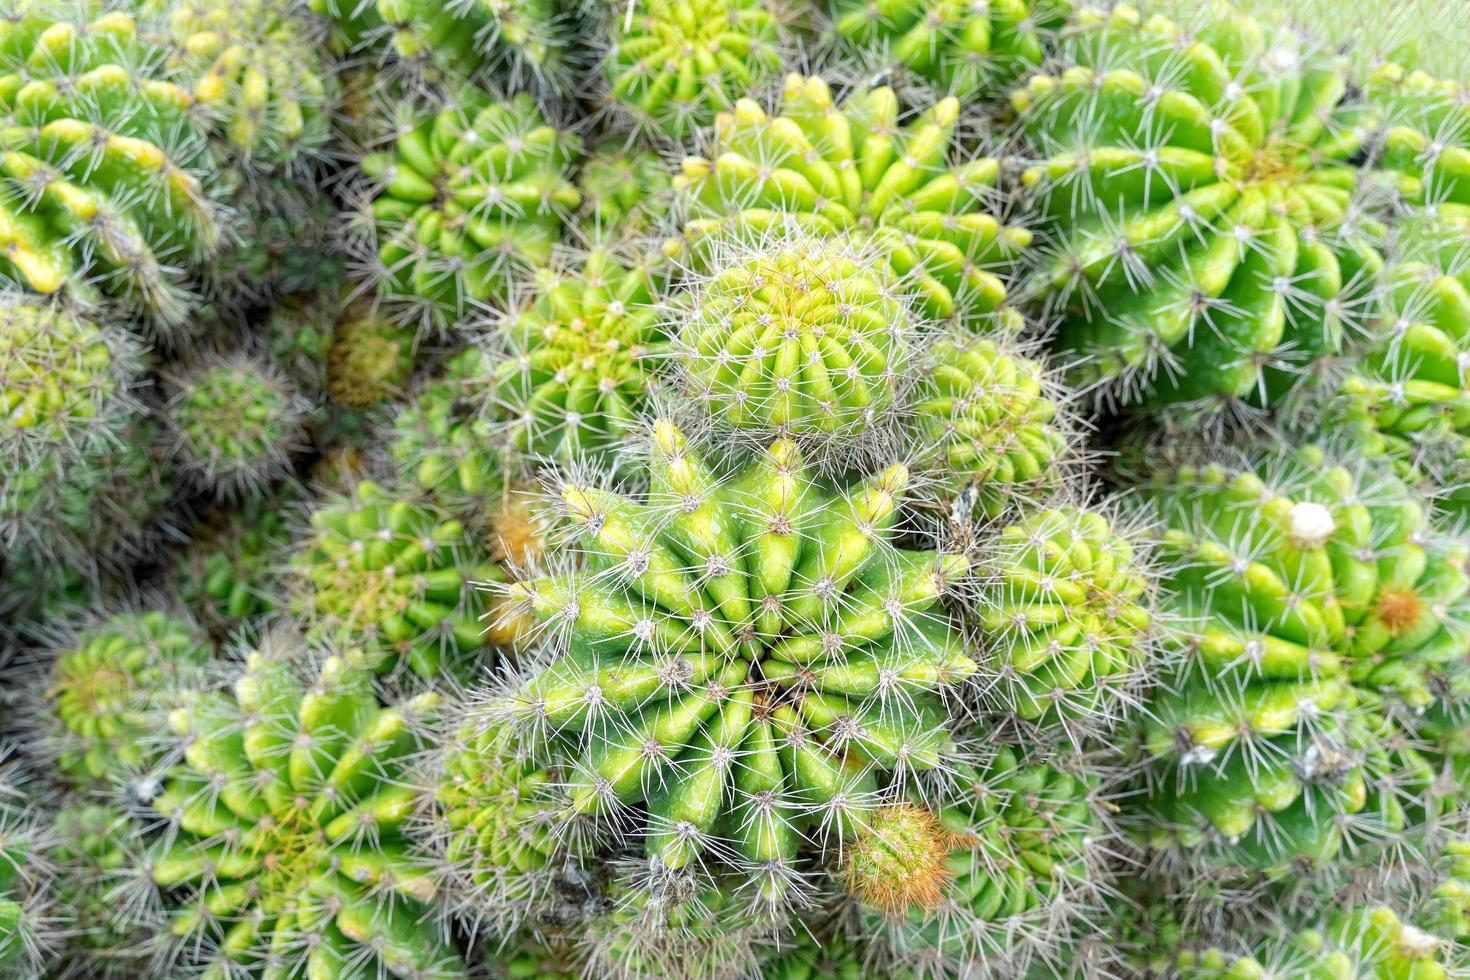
pixel 823 169
pixel 285 822
pixel 745 654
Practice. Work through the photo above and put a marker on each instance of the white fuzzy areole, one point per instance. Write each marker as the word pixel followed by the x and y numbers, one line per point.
pixel 1311 525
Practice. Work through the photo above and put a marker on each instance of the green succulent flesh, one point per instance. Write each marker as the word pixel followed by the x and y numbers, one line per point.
pixel 1210 236
pixel 744 663
pixel 826 170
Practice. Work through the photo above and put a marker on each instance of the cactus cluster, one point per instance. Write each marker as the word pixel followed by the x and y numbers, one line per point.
pixel 734 489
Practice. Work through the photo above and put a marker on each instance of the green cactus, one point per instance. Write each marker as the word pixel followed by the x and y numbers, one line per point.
pixel 1448 906
pixel 27 937
pixel 828 170
pixel 582 354
pixel 104 163
pixel 257 68
pixel 523 41
pixel 626 192
pixel 236 421
pixel 287 850
pixel 808 336
pixel 756 617
pixel 1211 240
pixel 820 955
pixel 1426 133
pixel 112 686
pixel 1409 390
pixel 283 241
pixel 446 441
pixel 672 66
pixel 987 421
pixel 390 581
pixel 99 862
pixel 370 358
pixel 1312 599
pixel 1065 617
pixel 231 572
pixel 1365 943
pixel 472 197
pixel 966 49
pixel 943 893
pixel 539 955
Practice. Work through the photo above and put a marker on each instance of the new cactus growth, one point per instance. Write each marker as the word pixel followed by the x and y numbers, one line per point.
pixel 104 165
pixel 1313 598
pixel 369 360
pixel 1211 243
pixel 112 687
pixel 391 581
pixel 236 421
pixel 959 47
pixel 581 356
pixel 285 848
pixel 945 893
pixel 745 655
pixel 827 170
pixel 987 420
pixel 1065 617
pixel 807 336
pixel 257 69
pixel 672 66
pixel 470 198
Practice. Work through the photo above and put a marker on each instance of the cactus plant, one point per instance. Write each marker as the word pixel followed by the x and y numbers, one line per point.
pixel 946 893
pixel 472 196
pixel 1313 598
pixel 113 684
pixel 105 166
pixel 1408 389
pixel 236 420
pixel 257 69
pixel 961 48
pixel 447 439
pixel 672 66
pixel 855 168
pixel 1065 617
pixel 527 42
pixel 27 938
pixel 988 422
pixel 1211 240
pixel 1426 133
pixel 391 581
pixel 809 336
pixel 285 846
pixel 231 572
pixel 370 358
pixel 754 616
pixel 98 855
pixel 626 192
pixel 581 356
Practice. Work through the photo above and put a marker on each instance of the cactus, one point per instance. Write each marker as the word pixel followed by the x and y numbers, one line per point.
pixel 820 955
pixel 257 69
pixel 102 881
pixel 113 684
pixel 1065 616
pixel 1313 598
pixel 581 355
pixel 1408 391
pixel 1211 242
pixel 370 359
pixel 104 163
pixel 626 192
pixel 446 441
pixel 755 617
pixel 809 336
pixel 231 572
pixel 1426 133
pixel 672 66
pixel 829 170
pixel 27 936
pixel 986 883
pixel 391 581
pixel 471 197
pixel 285 846
pixel 964 49
pixel 284 239
pixel 526 42
pixel 236 420
pixel 988 423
